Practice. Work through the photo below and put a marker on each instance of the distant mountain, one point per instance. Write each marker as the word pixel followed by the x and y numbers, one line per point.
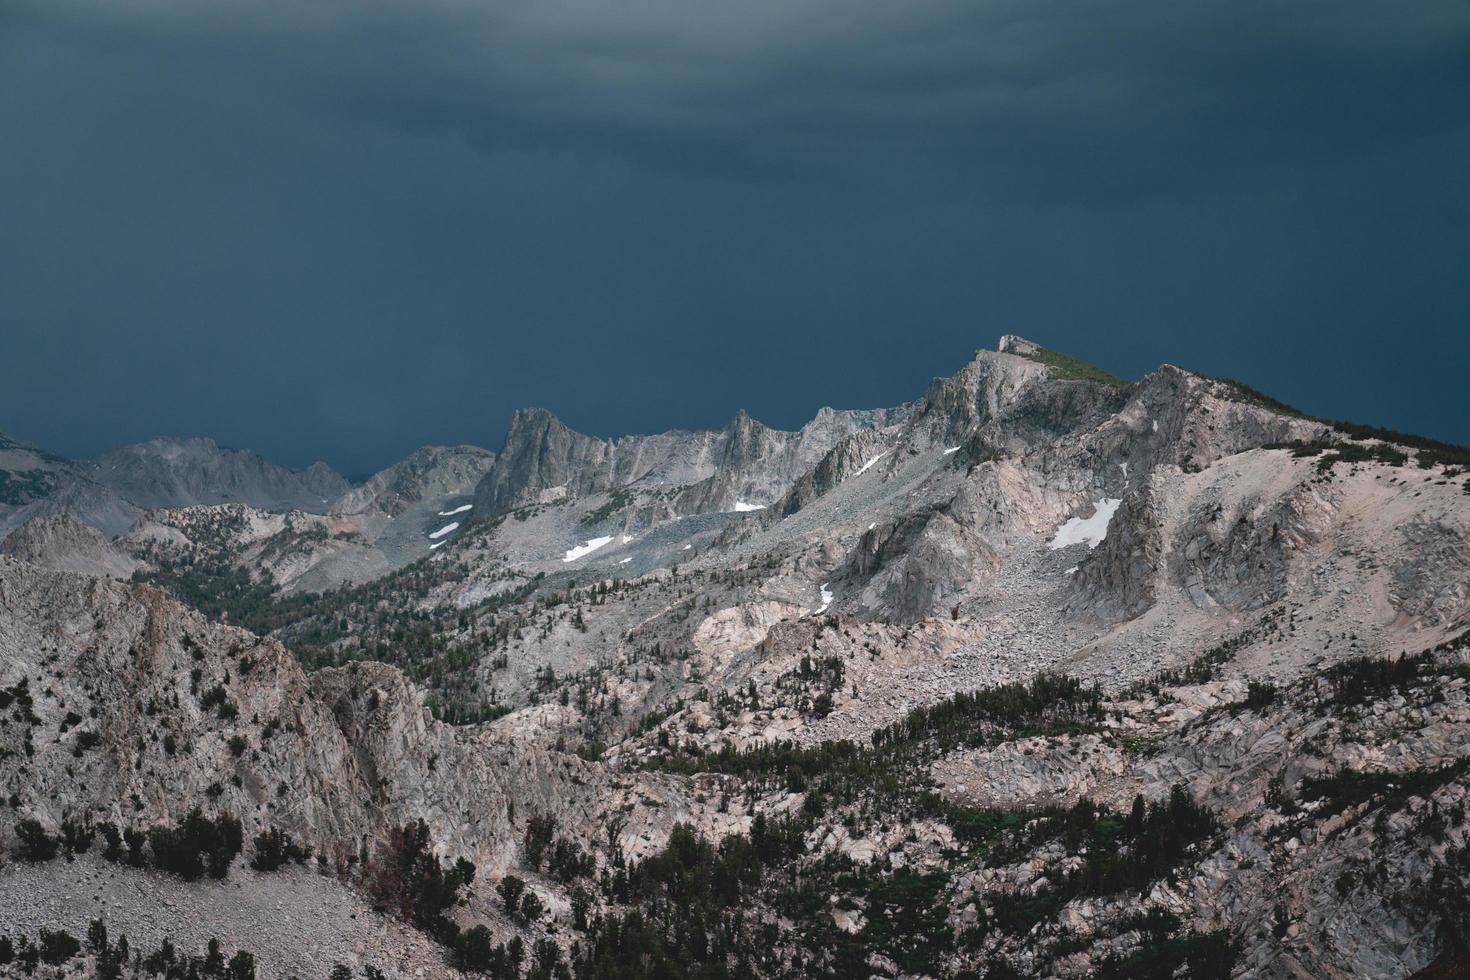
pixel 171 503
pixel 184 472
pixel 35 482
pixel 28 473
pixel 371 530
pixel 112 491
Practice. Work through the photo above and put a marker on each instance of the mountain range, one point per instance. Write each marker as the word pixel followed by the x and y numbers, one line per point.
pixel 1043 673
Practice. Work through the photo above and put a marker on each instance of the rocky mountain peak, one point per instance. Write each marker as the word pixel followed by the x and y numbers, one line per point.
pixel 531 419
pixel 1020 346
pixel 996 388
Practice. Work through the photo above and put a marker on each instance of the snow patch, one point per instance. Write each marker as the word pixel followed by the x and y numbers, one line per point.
pixel 826 598
pixel 686 547
pixel 1071 571
pixel 1125 470
pixel 437 544
pixel 951 450
pixel 626 560
pixel 1156 425
pixel 457 510
pixel 741 507
pixel 870 462
pixel 625 540
pixel 453 525
pixel 586 548
pixel 1088 530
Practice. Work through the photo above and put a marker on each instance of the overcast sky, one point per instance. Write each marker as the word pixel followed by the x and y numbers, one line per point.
pixel 340 229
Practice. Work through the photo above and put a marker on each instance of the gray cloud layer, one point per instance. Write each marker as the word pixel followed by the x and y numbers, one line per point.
pixel 1156 96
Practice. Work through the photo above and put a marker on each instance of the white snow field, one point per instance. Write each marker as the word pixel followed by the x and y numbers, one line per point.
pixel 1086 530
pixel 587 548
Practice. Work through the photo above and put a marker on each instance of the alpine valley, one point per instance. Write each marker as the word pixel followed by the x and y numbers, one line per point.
pixel 1041 674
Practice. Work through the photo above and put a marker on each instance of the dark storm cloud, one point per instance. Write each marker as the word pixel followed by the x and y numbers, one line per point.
pixel 345 228
pixel 1047 99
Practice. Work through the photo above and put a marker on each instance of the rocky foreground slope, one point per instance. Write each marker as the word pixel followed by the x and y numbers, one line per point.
pixel 1043 674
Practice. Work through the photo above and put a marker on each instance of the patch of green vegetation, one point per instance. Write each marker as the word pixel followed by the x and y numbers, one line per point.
pixel 1430 452
pixel 196 845
pixel 1390 790
pixel 890 772
pixel 1069 368
pixel 408 878
pixel 274 848
pixel 616 501
pixel 1193 956
pixel 1365 679
pixel 1245 393
pixel 1113 855
pixel 1259 696
pixel 1331 452
pixel 1120 853
pixel 1445 901
pixel 904 911
pixel 20 488
pixel 217 589
pixel 1140 745
pixel 979 828
pixel 1049 704
pixel 905 920
pixel 1207 667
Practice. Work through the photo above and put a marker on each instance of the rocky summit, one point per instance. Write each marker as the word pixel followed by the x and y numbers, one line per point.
pixel 1045 673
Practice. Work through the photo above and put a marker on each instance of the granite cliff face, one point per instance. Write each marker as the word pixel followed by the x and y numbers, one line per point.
pixel 1043 674
pixel 744 464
